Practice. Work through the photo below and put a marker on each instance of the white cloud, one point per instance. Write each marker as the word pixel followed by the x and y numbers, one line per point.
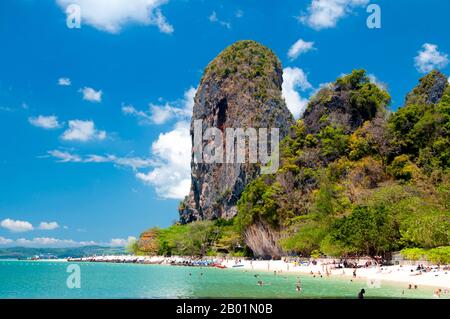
pixel 46 122
pixel 214 19
pixel 65 157
pixel 64 82
pixel 161 22
pixel 328 85
pixel 132 162
pixel 323 14
pixel 5 241
pixel 91 95
pixel 429 58
pixel 299 48
pixel 188 100
pixel 142 116
pixel 373 79
pixel 171 152
pixel 160 114
pixel 294 79
pixel 88 243
pixel 16 226
pixel 239 13
pixel 45 241
pixel 82 131
pixel 112 15
pixel 163 113
pixel 171 176
pixel 50 242
pixel 121 242
pixel 183 109
pixel 48 225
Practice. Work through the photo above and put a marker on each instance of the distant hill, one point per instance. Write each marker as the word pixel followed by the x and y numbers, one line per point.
pixel 25 252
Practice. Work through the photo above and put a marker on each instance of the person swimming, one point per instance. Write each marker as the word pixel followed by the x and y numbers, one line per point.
pixel 437 293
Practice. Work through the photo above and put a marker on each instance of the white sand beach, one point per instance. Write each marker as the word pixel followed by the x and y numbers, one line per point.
pixel 438 278
pixel 408 274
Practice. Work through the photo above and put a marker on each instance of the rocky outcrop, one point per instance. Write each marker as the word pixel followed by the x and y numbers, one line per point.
pixel 263 240
pixel 344 104
pixel 241 88
pixel 430 89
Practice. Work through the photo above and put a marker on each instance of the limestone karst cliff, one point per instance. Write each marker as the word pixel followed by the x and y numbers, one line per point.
pixel 240 88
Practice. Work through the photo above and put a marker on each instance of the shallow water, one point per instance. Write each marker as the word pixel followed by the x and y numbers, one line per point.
pixel 41 279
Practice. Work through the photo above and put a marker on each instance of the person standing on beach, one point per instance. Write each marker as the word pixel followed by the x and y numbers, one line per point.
pixel 361 294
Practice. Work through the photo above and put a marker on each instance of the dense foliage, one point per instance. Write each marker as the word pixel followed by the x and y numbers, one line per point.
pixel 371 190
pixel 440 255
pixel 360 181
pixel 247 60
pixel 195 239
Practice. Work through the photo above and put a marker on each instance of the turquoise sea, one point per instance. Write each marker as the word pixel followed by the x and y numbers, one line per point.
pixel 41 279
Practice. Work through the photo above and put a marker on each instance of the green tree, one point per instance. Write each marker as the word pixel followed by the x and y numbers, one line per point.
pixel 366 231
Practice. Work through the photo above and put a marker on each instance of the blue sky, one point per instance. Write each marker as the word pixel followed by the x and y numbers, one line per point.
pixel 93 121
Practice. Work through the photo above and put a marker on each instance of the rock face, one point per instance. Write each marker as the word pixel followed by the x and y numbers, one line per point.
pixel 430 89
pixel 263 240
pixel 339 104
pixel 241 88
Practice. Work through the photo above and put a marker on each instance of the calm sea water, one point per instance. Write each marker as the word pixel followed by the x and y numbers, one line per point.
pixel 39 279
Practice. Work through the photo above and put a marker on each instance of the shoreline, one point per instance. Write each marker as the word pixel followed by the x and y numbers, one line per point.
pixel 139 281
pixel 406 274
pixel 394 274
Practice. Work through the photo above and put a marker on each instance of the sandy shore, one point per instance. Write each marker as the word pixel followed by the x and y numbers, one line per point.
pixel 402 274
pixel 438 278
